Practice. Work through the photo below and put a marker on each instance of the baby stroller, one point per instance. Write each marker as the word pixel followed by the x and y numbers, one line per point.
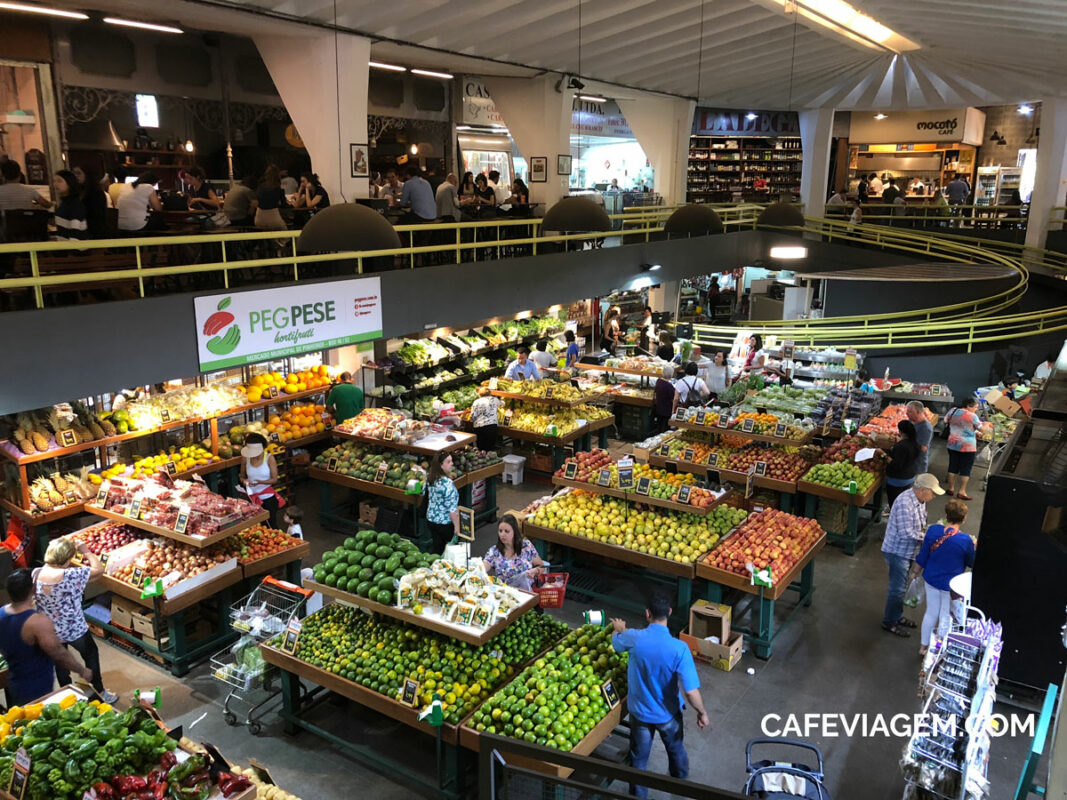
pixel 784 780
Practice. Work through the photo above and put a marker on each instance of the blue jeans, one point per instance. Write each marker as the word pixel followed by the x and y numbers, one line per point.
pixel 898 584
pixel 672 734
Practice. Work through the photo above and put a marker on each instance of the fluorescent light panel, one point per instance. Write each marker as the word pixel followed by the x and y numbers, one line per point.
pixel 789 252
pixel 592 99
pixel 1026 109
pixel 880 116
pixel 431 74
pixel 148 26
pixel 837 15
pixel 34 9
pixel 380 65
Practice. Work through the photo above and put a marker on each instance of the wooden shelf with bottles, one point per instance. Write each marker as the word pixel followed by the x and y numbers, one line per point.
pixel 776 161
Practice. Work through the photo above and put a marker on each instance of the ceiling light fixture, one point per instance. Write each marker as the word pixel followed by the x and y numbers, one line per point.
pixel 848 21
pixel 1027 109
pixel 391 67
pixel 789 252
pixel 592 98
pixel 751 115
pixel 148 26
pixel 880 116
pixel 651 267
pixel 414 149
pixel 431 74
pixel 52 12
pixel 189 145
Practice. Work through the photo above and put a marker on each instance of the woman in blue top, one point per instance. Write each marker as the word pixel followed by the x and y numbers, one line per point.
pixel 572 349
pixel 945 553
pixel 442 509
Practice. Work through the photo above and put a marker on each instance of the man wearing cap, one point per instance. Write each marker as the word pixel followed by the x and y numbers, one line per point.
pixel 903 537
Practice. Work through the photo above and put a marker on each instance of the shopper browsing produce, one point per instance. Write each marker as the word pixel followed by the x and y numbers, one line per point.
pixel 756 357
pixel 665 351
pixel 484 418
pixel 442 510
pixel 903 459
pixel 903 535
pixel 30 646
pixel 692 391
pixel 963 425
pixel 659 663
pixel 513 559
pixel 59 589
pixel 522 368
pixel 924 434
pixel 259 473
pixel 718 376
pixel 345 400
pixel 664 400
pixel 945 553
pixel 541 357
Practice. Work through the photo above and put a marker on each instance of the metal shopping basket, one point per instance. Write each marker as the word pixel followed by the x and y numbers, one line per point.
pixel 264 613
pixel 551 588
pixel 784 780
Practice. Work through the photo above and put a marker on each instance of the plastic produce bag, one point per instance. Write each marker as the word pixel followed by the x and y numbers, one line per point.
pixel 914 593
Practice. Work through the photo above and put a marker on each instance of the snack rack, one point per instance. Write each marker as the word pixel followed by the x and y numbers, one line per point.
pixel 261 615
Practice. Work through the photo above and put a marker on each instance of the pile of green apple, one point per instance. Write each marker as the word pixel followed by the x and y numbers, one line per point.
pixel 838 476
pixel 556 701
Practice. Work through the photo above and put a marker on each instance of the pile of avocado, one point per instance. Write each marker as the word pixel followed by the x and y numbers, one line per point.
pixel 369 563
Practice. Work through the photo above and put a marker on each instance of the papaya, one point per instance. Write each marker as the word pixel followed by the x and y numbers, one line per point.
pixel 362 588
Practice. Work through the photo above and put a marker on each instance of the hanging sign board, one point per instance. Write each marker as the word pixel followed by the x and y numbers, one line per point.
pixel 466 523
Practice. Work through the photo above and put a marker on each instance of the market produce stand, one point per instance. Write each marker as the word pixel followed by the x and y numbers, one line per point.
pixel 680 575
pixel 740 432
pixel 762 637
pixel 192 541
pixel 296 703
pixel 581 437
pixel 432 445
pixel 329 515
pixel 633 415
pixel 469 634
pixel 685 508
pixel 853 537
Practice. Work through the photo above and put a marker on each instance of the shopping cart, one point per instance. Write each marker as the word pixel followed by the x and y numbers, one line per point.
pixel 784 780
pixel 551 588
pixel 264 613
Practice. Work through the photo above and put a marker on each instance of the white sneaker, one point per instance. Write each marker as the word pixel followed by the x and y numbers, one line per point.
pixel 108 697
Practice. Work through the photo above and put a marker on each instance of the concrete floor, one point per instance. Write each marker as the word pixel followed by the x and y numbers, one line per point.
pixel 834 658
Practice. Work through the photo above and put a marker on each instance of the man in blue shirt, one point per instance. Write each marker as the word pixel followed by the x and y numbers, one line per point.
pixel 924 434
pixel 903 536
pixel 658 664
pixel 418 196
pixel 522 368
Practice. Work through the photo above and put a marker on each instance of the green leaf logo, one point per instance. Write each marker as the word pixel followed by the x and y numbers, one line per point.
pixel 224 303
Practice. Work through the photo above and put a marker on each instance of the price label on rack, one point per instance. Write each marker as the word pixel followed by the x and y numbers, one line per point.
pixel 164 415
pixel 850 359
pixel 275 438
pixel 272 392
pixel 713 461
pixel 389 432
pixel 410 694
pixel 748 425
pixel 570 470
pixel 788 349
pixel 604 478
pixel 101 493
pixel 626 477
pixel 20 775
pixel 761 467
pixel 466 523
pixel 327 420
pixel 826 423
pixel 683 494
pixel 133 511
pixel 67 438
pixel 181 523
pixel 138 577
pixel 749 481
pixel 171 468
pixel 701 417
pixel 379 476
pixel 494 384
pixel 935 390
pixel 292 635
pixel 664 450
pixel 331 465
pixel 689 454
pixel 780 430
pixel 679 415
pixel 723 420
pixel 643 486
pixel 550 391
pixel 611 697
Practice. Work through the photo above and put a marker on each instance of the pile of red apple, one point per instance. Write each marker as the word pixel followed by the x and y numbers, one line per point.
pixel 781 466
pixel 698 497
pixel 255 543
pixel 846 449
pixel 589 464
pixel 770 538
pixel 108 536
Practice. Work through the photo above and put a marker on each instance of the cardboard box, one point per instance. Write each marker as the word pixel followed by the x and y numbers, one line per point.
pixel 1002 403
pixel 712 619
pixel 160 644
pixel 144 622
pixel 368 513
pixel 122 612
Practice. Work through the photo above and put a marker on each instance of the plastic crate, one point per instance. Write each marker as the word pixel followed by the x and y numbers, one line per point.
pixel 552 588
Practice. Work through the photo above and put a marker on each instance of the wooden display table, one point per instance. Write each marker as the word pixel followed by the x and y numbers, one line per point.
pixel 434 444
pixel 192 541
pixel 548 401
pixel 737 431
pixel 286 558
pixel 762 637
pixel 644 499
pixel 464 633
pixel 465 484
pixel 330 514
pixel 581 438
pixel 853 537
pixel 296 702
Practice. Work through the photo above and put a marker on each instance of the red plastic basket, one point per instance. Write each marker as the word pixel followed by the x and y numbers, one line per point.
pixel 552 588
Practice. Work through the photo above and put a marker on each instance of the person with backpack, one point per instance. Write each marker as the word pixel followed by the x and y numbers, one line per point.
pixel 945 553
pixel 692 391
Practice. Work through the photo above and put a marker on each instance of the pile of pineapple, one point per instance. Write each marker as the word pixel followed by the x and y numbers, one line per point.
pixel 40 431
pixel 50 492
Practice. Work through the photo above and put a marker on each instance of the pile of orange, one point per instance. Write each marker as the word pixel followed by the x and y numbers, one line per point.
pixel 298 421
pixel 314 378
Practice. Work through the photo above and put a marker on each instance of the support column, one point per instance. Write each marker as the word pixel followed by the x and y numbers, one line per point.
pixel 322 79
pixel 662 126
pixel 1050 183
pixel 539 119
pixel 816 130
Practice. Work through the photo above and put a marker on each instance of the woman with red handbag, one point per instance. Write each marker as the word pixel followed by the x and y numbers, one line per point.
pixel 945 553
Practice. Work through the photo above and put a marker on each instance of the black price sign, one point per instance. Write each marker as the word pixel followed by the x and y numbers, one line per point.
pixel 713 460
pixel 935 390
pixel 761 467
pixel 274 437
pixel 103 558
pixel 134 511
pixel 748 425
pixel 626 477
pixel 171 468
pixel 466 523
pixel 679 415
pixel 549 392
pixel 788 349
pixel 570 471
pixel 604 478
pixel 702 417
pixel 181 524
pixel 331 465
pixel 67 438
pixel 379 476
pixel 610 695
pixel 327 421
pixel 164 415
pixel 643 486
pixel 723 421
pixel 138 576
pixel 665 450
pixel 20 775
pixel 780 430
pixel 272 392
pixel 683 494
pixel 410 695
pixel 101 494
pixel 688 454
pixel 390 430
pixel 292 636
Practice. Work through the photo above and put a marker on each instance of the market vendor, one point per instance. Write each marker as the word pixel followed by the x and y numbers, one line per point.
pixel 345 400
pixel 513 559
pixel 522 368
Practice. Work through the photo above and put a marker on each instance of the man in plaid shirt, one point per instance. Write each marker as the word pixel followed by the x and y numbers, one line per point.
pixel 903 537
